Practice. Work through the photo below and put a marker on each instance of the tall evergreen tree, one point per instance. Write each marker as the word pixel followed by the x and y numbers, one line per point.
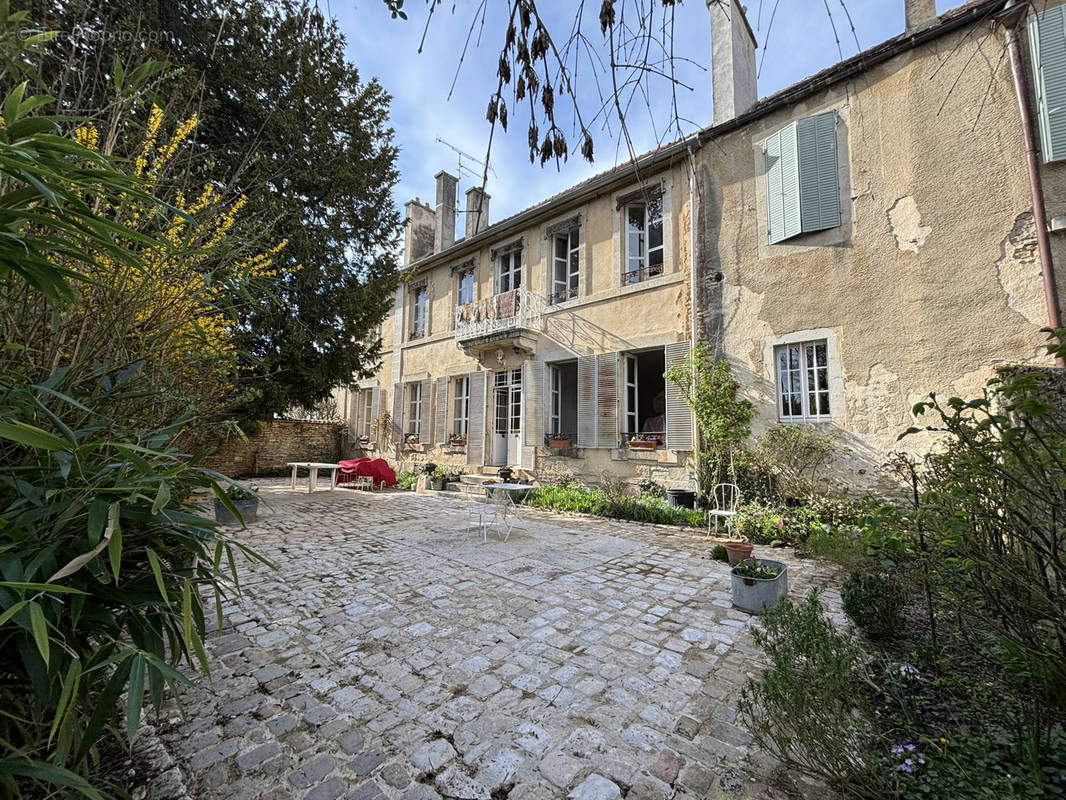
pixel 287 122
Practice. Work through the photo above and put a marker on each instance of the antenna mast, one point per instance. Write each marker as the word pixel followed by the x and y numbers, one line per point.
pixel 470 173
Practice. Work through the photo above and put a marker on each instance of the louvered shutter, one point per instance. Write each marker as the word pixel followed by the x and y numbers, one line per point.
pixel 375 400
pixel 397 412
pixel 425 424
pixel 607 400
pixel 354 406
pixel 782 185
pixel 533 403
pixel 475 429
pixel 678 414
pixel 819 182
pixel 586 401
pixel 440 431
pixel 1047 45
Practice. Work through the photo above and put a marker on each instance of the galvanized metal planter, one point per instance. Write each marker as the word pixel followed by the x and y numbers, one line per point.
pixel 758 595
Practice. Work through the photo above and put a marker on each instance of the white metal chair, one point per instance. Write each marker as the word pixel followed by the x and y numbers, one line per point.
pixel 496 511
pixel 726 498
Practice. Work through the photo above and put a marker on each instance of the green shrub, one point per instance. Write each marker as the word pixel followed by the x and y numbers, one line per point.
pixel 405 480
pixel 719 553
pixel 649 488
pixel 809 707
pixel 843 546
pixel 106 564
pixel 577 499
pixel 873 602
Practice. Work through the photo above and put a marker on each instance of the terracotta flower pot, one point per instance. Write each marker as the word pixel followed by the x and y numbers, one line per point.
pixel 738 551
pixel 558 444
pixel 637 444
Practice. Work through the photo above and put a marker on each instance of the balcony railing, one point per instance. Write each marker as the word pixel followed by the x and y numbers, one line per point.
pixel 642 274
pixel 513 310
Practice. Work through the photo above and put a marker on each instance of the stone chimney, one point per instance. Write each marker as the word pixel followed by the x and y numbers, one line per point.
pixel 477 210
pixel 732 60
pixel 419 230
pixel 444 236
pixel 918 12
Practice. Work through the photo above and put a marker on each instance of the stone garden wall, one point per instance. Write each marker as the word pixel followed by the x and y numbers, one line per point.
pixel 273 444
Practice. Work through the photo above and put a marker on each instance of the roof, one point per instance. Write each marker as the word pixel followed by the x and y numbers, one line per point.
pixel 968 13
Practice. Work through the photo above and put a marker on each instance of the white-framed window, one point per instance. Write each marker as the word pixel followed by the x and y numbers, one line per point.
pixel 464 289
pixel 562 399
pixel 419 308
pixel 803 381
pixel 632 424
pixel 508 271
pixel 565 263
pixel 366 412
pixel 460 406
pixel 644 398
pixel 643 241
pixel 414 409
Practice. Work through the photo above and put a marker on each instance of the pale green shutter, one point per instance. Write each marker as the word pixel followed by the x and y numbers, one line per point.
pixel 586 401
pixel 397 412
pixel 475 428
pixel 678 414
pixel 440 429
pixel 782 185
pixel 607 400
pixel 819 183
pixel 1047 45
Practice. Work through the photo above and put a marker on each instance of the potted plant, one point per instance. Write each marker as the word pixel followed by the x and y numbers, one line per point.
pixel 644 441
pixel 455 440
pixel 506 473
pixel 439 477
pixel 410 438
pixel 244 499
pixel 559 440
pixel 364 440
pixel 758 585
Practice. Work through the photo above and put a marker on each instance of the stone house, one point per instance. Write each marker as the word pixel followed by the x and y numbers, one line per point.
pixel 862 238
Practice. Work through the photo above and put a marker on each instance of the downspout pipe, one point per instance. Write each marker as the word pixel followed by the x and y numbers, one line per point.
pixel 693 333
pixel 1010 18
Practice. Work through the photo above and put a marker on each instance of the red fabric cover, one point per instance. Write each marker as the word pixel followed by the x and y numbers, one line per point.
pixel 376 468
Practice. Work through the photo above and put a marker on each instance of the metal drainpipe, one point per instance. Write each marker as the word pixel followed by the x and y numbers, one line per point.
pixel 692 287
pixel 1012 13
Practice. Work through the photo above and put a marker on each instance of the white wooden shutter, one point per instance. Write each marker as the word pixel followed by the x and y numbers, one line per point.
pixel 397 412
pixel 586 401
pixel 354 406
pixel 607 400
pixel 475 429
pixel 425 424
pixel 1047 46
pixel 819 181
pixel 678 414
pixel 533 403
pixel 440 433
pixel 782 185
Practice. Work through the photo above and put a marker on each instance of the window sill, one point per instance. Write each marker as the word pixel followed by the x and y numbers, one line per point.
pixel 805 420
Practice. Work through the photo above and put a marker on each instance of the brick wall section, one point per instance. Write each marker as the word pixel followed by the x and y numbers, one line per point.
pixel 276 443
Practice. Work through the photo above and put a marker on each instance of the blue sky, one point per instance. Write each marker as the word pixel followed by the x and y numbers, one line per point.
pixel 801 42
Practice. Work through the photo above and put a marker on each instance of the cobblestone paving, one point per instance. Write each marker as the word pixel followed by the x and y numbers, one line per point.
pixel 393 654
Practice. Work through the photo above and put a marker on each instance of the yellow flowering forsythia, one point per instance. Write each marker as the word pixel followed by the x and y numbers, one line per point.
pixel 180 292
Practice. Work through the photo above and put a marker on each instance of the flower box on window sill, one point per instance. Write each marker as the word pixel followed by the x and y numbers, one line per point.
pixel 560 442
pixel 410 438
pixel 643 444
pixel 364 441
pixel 457 441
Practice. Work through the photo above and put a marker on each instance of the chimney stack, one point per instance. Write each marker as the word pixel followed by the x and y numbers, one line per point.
pixel 732 60
pixel 918 12
pixel 419 231
pixel 444 236
pixel 477 211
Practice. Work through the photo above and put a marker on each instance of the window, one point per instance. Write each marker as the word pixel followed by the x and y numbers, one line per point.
pixel 645 393
pixel 414 409
pixel 802 184
pixel 564 266
pixel 418 315
pixel 365 414
pixel 803 381
pixel 508 271
pixel 562 389
pixel 644 241
pixel 1047 46
pixel 461 407
pixel 465 287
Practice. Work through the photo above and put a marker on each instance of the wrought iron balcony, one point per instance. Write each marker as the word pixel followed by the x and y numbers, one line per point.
pixel 498 317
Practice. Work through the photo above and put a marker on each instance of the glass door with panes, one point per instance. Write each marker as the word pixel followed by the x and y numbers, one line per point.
pixel 507 417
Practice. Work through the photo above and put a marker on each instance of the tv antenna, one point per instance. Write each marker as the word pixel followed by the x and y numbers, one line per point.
pixel 470 173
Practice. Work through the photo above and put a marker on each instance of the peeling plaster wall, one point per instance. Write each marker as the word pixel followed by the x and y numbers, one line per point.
pixel 930 280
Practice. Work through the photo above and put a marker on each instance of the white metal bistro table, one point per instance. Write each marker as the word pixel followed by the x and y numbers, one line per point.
pixel 511 506
pixel 312 468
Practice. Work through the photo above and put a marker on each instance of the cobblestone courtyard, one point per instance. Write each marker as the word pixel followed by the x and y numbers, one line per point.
pixel 393 654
